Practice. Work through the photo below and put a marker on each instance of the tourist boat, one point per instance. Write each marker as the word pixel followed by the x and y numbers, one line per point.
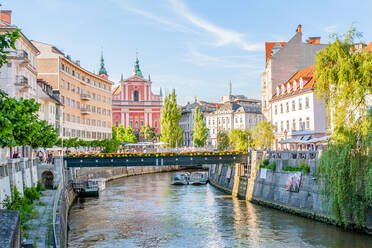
pixel 180 178
pixel 198 178
pixel 101 183
pixel 86 189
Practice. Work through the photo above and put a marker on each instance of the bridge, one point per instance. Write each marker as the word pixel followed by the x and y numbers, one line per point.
pixel 154 159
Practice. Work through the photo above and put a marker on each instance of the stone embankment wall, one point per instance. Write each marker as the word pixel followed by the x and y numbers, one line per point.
pixel 17 172
pixel 269 189
pixel 67 195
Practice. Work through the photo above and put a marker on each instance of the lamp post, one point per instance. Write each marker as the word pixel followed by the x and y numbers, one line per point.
pixel 285 136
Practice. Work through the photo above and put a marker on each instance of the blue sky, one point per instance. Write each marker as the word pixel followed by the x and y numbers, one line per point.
pixel 194 46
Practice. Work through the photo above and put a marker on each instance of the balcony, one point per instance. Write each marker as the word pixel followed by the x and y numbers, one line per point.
pixel 20 55
pixel 85 111
pixel 85 96
pixel 21 81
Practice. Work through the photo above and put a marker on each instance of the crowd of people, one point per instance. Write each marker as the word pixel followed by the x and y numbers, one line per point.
pixel 46 157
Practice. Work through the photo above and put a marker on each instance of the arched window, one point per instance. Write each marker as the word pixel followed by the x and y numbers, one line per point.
pixel 135 96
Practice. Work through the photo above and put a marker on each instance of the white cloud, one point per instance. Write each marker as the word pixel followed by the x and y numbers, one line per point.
pixel 330 29
pixel 223 36
pixel 167 22
pixel 201 59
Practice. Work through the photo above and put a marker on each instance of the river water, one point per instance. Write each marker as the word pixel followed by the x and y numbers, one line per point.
pixel 146 211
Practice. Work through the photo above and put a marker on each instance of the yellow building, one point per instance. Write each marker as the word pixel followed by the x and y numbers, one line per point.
pixel 86 96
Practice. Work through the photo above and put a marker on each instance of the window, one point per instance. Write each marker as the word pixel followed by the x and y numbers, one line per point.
pixel 136 124
pixel 276 126
pixel 141 123
pixel 307 102
pixel 99 85
pixel 73 103
pixel 307 122
pixel 156 124
pixel 78 119
pixel 83 77
pixel 294 124
pixel 98 97
pixel 93 122
pixel 281 126
pixel 63 67
pixel 98 110
pixel 293 106
pixel 99 123
pixel 68 117
pixel 281 108
pixel 287 125
pixel 300 124
pixel 299 104
pixel 88 80
pixel 78 90
pixel 67 101
pixel 94 96
pixel 73 73
pixel 135 96
pixel 78 104
pixel 241 120
pixel 131 123
pixel 73 118
pixel 63 99
pixel 287 106
pixel 276 109
pixel 68 86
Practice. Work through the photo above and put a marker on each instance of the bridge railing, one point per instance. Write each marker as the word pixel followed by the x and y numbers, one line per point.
pixel 154 159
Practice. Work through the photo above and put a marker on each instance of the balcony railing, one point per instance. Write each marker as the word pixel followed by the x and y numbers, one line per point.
pixel 18 54
pixel 85 111
pixel 85 96
pixel 21 81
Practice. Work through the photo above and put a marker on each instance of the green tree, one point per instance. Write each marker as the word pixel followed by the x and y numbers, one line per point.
pixel 44 135
pixel 120 134
pixel 171 132
pixel 129 137
pixel 238 139
pixel 148 133
pixel 114 132
pixel 7 41
pixel 343 82
pixel 263 135
pixel 222 140
pixel 110 145
pixel 200 134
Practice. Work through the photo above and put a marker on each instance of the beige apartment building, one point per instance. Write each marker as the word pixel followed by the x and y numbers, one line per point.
pixel 86 96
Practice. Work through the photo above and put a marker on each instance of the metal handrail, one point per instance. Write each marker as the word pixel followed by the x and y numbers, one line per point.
pixel 55 206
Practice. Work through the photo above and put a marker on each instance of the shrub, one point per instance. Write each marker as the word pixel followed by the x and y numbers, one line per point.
pixel 40 187
pixel 271 166
pixel 302 168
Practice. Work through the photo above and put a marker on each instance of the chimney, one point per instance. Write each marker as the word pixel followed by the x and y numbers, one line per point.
pixel 298 30
pixel 313 40
pixel 6 16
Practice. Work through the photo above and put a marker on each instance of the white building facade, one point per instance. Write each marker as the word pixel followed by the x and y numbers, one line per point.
pixel 18 76
pixel 297 113
pixel 237 114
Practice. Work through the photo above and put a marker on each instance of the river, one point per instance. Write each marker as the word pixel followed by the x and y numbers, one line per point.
pixel 146 211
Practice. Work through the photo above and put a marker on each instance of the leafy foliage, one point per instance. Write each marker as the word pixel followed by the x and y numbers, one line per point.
pixel 222 140
pixel 239 139
pixel 148 133
pixel 302 168
pixel 44 135
pixel 171 132
pixel 7 40
pixel 263 135
pixel 200 130
pixel 344 83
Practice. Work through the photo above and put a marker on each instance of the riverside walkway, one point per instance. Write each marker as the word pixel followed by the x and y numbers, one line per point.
pixel 41 227
pixel 154 159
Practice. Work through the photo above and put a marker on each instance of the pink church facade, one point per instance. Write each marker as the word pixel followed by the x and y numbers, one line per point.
pixel 134 104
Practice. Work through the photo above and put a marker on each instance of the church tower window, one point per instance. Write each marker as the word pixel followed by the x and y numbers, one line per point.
pixel 135 96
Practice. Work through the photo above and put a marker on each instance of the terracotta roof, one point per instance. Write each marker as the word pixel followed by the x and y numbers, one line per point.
pixel 116 90
pixel 308 77
pixel 269 47
pixel 369 47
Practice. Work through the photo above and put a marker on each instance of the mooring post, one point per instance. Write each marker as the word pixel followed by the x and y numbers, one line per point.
pixel 236 179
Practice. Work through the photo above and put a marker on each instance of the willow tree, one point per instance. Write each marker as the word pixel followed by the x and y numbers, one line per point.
pixel 200 130
pixel 263 135
pixel 171 132
pixel 343 82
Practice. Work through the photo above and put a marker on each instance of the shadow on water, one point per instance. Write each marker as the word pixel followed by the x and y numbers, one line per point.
pixel 146 211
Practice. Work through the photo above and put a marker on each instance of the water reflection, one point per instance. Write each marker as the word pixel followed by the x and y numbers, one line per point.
pixel 146 211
